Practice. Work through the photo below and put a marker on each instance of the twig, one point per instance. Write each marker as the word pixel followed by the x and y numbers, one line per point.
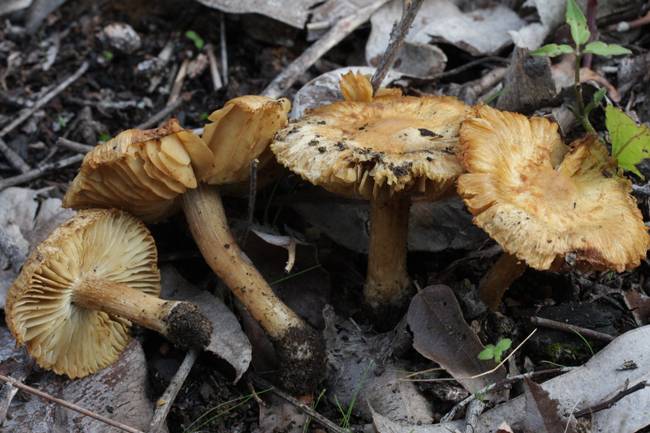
pixel 469 65
pixel 397 35
pixel 474 410
pixel 13 158
pixel 168 397
pixel 45 99
pixel 166 111
pixel 8 391
pixel 224 48
pixel 560 326
pixel 320 419
pixel 178 82
pixel 612 401
pixel 625 26
pixel 68 405
pixel 214 69
pixel 40 171
pixel 500 385
pixel 336 34
pixel 73 145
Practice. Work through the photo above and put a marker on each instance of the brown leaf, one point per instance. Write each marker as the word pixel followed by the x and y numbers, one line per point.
pixel 542 412
pixel 442 335
pixel 639 305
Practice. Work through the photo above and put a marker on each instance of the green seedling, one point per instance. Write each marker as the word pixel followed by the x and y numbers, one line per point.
pixel 103 137
pixel 580 35
pixel 199 43
pixel 630 142
pixel 107 55
pixel 495 351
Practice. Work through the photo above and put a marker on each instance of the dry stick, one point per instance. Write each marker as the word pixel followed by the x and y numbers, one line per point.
pixel 502 384
pixel 612 401
pixel 168 397
pixel 178 82
pixel 224 48
pixel 40 171
pixel 13 158
pixel 45 99
pixel 214 69
pixel 166 111
pixel 68 405
pixel 397 35
pixel 317 417
pixel 552 324
pixel 73 145
pixel 336 34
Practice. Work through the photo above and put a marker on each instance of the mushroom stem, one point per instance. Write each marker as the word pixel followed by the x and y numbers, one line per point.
pixel 299 347
pixel 387 281
pixel 500 276
pixel 181 322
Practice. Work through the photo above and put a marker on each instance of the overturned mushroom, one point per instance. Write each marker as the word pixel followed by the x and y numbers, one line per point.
pixel 387 149
pixel 544 203
pixel 239 133
pixel 73 303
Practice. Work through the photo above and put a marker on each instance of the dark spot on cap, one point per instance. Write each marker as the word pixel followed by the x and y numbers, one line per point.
pixel 428 133
pixel 321 149
pixel 313 143
pixel 340 145
pixel 321 122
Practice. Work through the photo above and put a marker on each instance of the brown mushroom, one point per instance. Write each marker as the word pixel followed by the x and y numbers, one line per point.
pixel 546 204
pixel 239 133
pixel 73 303
pixel 387 149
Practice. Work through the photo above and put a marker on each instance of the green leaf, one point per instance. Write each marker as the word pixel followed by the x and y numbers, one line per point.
pixel 630 142
pixel 552 50
pixel 577 22
pixel 600 48
pixel 104 137
pixel 487 353
pixel 107 55
pixel 504 344
pixel 194 37
pixel 598 96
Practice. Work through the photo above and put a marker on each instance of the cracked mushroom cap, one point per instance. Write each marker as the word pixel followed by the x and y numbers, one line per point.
pixel 542 201
pixel 40 310
pixel 240 132
pixel 362 146
pixel 142 171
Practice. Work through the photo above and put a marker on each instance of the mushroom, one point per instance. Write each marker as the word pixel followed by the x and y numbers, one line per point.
pixel 387 149
pixel 546 204
pixel 239 133
pixel 79 291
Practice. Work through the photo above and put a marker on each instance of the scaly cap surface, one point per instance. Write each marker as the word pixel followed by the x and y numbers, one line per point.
pixel 541 201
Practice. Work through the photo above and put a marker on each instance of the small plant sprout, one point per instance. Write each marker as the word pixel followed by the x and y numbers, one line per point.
pixel 580 34
pixel 495 351
pixel 193 36
pixel 630 142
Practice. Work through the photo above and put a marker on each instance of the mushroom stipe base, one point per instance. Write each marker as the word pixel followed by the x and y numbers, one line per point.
pixel 301 356
pixel 187 327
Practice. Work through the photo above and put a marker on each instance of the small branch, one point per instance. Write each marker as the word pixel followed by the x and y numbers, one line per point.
pixel 40 171
pixel 612 401
pixel 552 324
pixel 214 69
pixel 502 384
pixel 68 405
pixel 165 112
pixel 178 82
pixel 224 48
pixel 13 158
pixel 73 145
pixel 397 35
pixel 320 419
pixel 44 100
pixel 167 399
pixel 336 34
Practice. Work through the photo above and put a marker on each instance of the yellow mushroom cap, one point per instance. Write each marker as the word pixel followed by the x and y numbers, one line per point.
pixel 61 336
pixel 541 201
pixel 240 132
pixel 141 171
pixel 391 143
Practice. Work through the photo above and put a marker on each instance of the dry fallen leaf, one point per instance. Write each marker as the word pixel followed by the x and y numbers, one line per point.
pixel 227 341
pixel 290 12
pixel 441 334
pixel 542 412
